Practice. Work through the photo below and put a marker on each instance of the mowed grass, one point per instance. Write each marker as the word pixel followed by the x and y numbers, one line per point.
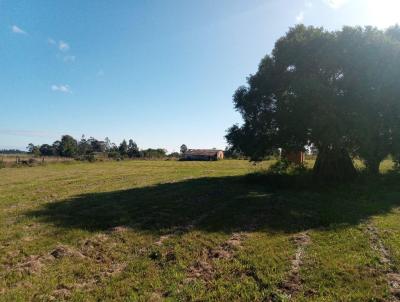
pixel 191 231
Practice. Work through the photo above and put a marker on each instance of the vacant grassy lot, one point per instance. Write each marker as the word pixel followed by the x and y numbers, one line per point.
pixel 204 231
pixel 12 160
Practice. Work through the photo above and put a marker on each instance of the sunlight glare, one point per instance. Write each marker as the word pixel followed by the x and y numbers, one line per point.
pixel 383 13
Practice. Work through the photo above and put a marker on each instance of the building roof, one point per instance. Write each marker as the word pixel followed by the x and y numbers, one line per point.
pixel 202 152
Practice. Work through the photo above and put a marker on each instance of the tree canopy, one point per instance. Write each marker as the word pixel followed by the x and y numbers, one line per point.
pixel 85 149
pixel 183 149
pixel 337 91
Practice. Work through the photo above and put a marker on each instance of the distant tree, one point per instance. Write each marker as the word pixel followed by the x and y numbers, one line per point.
pixel 123 148
pixel 133 150
pixel 57 148
pixel 184 148
pixel 84 146
pixel 113 151
pixel 113 148
pixel 68 146
pixel 46 150
pixel 11 151
pixel 96 145
pixel 32 149
pixel 107 144
pixel 232 153
pixel 174 155
pixel 153 153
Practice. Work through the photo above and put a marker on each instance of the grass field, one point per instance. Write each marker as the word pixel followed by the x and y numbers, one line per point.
pixel 12 160
pixel 202 231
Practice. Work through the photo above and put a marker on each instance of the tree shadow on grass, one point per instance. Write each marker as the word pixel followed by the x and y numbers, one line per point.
pixel 276 203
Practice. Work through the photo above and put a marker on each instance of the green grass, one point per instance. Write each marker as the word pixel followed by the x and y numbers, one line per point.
pixel 105 221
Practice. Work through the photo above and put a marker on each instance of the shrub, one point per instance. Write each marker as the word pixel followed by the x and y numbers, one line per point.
pixel 32 161
pixel 113 155
pixel 90 158
pixel 87 157
pixel 283 166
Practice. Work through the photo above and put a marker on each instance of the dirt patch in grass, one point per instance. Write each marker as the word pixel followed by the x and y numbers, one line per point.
pixel 33 264
pixel 95 249
pixel 119 229
pixel 204 268
pixel 155 297
pixel 292 284
pixel 162 238
pixel 227 248
pixel 201 269
pixel 62 292
pixel 65 251
pixel 392 275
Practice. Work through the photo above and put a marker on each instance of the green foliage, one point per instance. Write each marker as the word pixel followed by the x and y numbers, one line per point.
pixel 46 150
pixel 174 155
pixel 330 90
pixel 34 150
pixel 68 146
pixel 123 148
pixel 11 151
pixel 153 153
pixel 283 166
pixel 57 148
pixel 113 155
pixel 232 153
pixel 133 150
pixel 371 90
pixel 183 149
pixel 280 167
pixel 90 157
pixel 86 149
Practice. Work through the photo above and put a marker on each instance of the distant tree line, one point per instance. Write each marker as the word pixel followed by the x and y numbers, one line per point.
pixel 11 151
pixel 87 148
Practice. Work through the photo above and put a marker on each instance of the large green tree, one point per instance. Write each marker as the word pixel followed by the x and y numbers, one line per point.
pixel 133 149
pixel 123 148
pixel 68 146
pixel 323 89
pixel 369 59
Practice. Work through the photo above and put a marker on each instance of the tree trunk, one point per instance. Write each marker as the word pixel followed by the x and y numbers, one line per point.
pixel 372 166
pixel 334 165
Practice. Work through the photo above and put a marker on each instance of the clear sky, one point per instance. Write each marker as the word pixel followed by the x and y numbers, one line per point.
pixel 161 72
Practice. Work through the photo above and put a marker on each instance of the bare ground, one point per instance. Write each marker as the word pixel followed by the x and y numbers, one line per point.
pixel 392 275
pixel 292 284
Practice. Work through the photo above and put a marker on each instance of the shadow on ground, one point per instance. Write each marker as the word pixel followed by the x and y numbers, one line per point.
pixel 227 204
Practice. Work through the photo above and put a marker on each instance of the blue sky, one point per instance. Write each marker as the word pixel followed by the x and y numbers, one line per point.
pixel 160 72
